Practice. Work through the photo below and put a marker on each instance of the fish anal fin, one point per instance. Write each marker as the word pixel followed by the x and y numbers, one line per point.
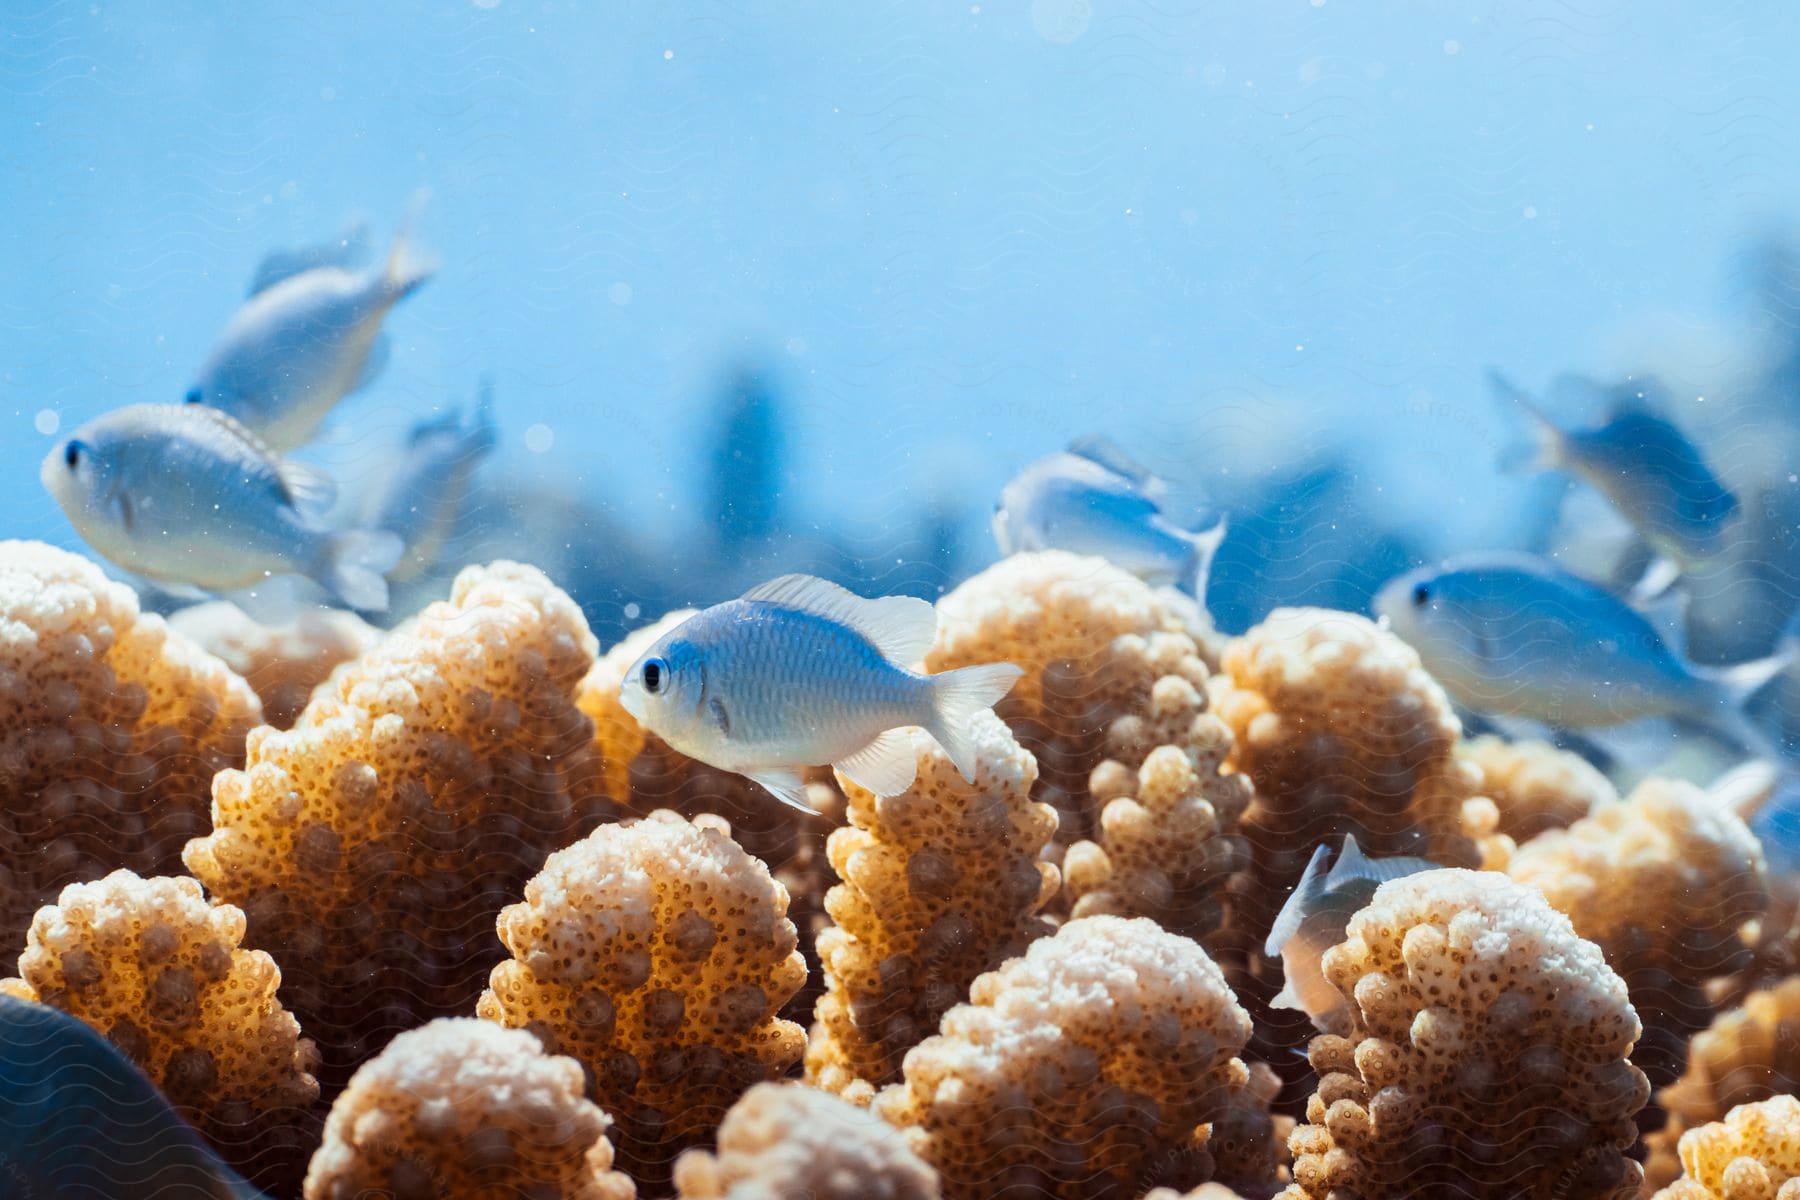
pixel 786 785
pixel 902 628
pixel 886 766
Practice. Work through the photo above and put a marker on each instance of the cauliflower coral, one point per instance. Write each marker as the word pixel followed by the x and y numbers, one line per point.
pixel 1089 1066
pixel 462 1109
pixel 1753 1154
pixel 373 844
pixel 656 954
pixel 787 1139
pixel 941 883
pixel 111 728
pixel 159 971
pixel 283 663
pixel 1488 1054
pixel 1536 786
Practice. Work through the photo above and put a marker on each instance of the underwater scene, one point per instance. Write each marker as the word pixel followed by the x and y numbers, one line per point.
pixel 1116 599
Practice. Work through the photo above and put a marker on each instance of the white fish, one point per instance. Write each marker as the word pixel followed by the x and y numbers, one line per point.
pixel 421 497
pixel 184 495
pixel 799 672
pixel 1513 635
pixel 305 342
pixel 1315 918
pixel 1092 499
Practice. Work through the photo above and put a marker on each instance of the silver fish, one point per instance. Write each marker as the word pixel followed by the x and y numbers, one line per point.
pixel 421 497
pixel 305 342
pixel 799 672
pixel 187 497
pixel 1645 466
pixel 1514 636
pixel 1315 918
pixel 79 1122
pixel 1092 499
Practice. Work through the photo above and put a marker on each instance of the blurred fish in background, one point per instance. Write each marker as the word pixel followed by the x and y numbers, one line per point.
pixel 420 497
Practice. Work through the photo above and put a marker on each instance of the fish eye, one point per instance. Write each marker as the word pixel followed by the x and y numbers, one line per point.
pixel 1421 595
pixel 194 396
pixel 72 453
pixel 656 673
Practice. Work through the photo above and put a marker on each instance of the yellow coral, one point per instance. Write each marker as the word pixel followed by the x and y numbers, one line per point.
pixel 1487 1055
pixel 462 1109
pixel 941 883
pixel 1078 1069
pixel 1753 1154
pixel 283 663
pixel 656 954
pixel 373 843
pixel 159 971
pixel 1535 785
pixel 111 728
pixel 787 1139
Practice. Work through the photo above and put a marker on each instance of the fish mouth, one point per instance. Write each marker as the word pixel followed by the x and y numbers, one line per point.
pixel 633 700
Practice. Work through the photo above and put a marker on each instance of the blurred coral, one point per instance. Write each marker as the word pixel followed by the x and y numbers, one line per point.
pixel 1753 1154
pixel 1090 1066
pixel 941 883
pixel 282 663
pixel 1488 1054
pixel 373 844
pixel 111 727
pixel 159 971
pixel 1536 786
pixel 464 1110
pixel 791 1140
pixel 656 954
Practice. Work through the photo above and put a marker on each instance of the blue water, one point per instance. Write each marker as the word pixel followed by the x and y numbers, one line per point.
pixel 1241 238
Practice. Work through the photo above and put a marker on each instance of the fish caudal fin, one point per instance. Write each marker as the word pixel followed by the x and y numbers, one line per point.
pixel 1205 545
pixel 1541 449
pixel 956 697
pixel 355 565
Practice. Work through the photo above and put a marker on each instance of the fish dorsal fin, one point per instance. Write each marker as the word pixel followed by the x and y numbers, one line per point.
pixel 1294 911
pixel 1351 863
pixel 307 487
pixel 1353 866
pixel 447 422
pixel 901 627
pixel 281 265
pixel 1100 449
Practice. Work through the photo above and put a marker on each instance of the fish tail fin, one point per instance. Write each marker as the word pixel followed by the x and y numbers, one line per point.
pixel 1736 686
pixel 407 267
pixel 1205 545
pixel 1540 448
pixel 956 697
pixel 1741 681
pixel 355 565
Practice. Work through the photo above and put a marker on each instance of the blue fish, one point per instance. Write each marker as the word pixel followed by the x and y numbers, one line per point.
pixel 420 498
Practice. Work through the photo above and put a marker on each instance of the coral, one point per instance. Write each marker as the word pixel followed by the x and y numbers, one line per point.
pixel 1536 786
pixel 159 971
pixel 111 727
pixel 1089 1067
pixel 1663 883
pixel 656 954
pixel 1749 1053
pixel 373 844
pixel 465 1110
pixel 1753 1154
pixel 283 663
pixel 941 883
pixel 1487 1055
pixel 787 1139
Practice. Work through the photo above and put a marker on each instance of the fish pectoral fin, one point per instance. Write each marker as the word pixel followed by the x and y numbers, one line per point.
pixel 787 785
pixel 901 627
pixel 307 487
pixel 886 766
pixel 1656 580
pixel 121 506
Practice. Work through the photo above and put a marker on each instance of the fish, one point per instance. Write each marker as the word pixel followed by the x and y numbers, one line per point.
pixel 304 342
pixel 1516 636
pixel 79 1121
pixel 800 672
pixel 186 497
pixel 420 498
pixel 1316 917
pixel 345 251
pixel 1093 499
pixel 1646 467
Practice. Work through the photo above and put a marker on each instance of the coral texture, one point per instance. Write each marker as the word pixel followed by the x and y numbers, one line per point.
pixel 1488 1054
pixel 159 971
pixel 656 954
pixel 1091 1066
pixel 373 844
pixel 941 883
pixel 790 1140
pixel 111 728
pixel 465 1110
pixel 1535 785
pixel 283 663
pixel 1753 1154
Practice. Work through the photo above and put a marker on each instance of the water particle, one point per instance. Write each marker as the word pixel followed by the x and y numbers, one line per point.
pixel 1452 47
pixel 1060 20
pixel 1531 212
pixel 632 611
pixel 668 56
pixel 796 346
pixel 974 10
pixel 1318 3
pixel 619 294
pixel 47 421
pixel 1300 347
pixel 487 3
pixel 539 438
pixel 328 93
